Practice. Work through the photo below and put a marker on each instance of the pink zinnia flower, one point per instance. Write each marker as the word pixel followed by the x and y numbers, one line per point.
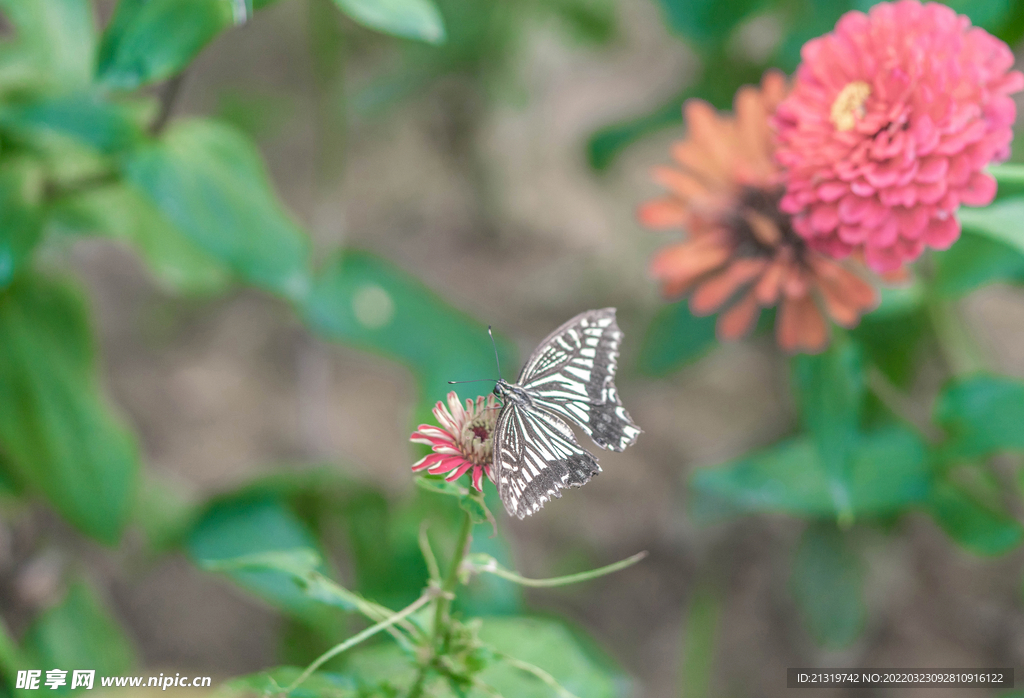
pixel 890 121
pixel 463 442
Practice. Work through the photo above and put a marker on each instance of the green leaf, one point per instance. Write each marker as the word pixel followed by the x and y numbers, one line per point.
pixel 20 215
pixel 87 117
pixel 827 584
pixel 152 40
pixel 54 425
pixel 473 504
pixel 209 182
pixel 975 261
pixel 830 390
pixel 708 21
pixel 363 301
pixel 891 335
pixel 319 685
pixel 56 40
pixel 674 338
pixel 1010 178
pixel 412 19
pixel 78 633
pixel 121 212
pixel 976 526
pixel 235 528
pixel 999 221
pixel 440 486
pixel 593 21
pixel 988 14
pixel 550 646
pixel 700 635
pixel 888 473
pixel 982 415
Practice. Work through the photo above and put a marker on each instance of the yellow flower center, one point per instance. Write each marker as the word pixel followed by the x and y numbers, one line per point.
pixel 849 105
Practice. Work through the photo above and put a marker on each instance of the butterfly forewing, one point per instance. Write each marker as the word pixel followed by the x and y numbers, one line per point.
pixel 536 455
pixel 570 376
pixel 572 373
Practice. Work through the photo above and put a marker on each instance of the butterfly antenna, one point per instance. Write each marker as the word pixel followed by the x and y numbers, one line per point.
pixel 475 380
pixel 494 344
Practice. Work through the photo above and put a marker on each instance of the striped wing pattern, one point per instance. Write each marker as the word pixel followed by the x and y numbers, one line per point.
pixel 536 455
pixel 570 376
pixel 572 373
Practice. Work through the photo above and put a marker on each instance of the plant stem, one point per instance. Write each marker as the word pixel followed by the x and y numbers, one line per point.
pixel 443 602
pixel 955 342
pixel 356 639
pixel 491 566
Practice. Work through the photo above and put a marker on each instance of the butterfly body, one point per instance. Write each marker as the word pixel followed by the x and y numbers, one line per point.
pixel 569 377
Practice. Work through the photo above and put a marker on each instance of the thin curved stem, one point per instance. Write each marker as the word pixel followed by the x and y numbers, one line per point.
pixel 359 637
pixel 491 566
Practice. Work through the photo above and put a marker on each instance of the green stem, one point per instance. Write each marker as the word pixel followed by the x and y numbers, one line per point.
pixel 958 348
pixel 491 566
pixel 450 581
pixel 440 631
pixel 359 637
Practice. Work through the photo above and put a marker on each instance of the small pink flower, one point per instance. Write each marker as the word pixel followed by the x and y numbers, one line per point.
pixel 463 442
pixel 891 120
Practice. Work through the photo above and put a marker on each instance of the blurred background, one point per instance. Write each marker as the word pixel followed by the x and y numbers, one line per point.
pixel 500 169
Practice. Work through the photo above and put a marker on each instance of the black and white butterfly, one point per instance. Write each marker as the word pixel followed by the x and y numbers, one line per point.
pixel 569 377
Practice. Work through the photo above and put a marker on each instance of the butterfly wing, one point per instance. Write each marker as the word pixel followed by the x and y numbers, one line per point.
pixel 572 374
pixel 536 455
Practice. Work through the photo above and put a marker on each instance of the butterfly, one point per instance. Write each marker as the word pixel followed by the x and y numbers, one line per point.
pixel 569 377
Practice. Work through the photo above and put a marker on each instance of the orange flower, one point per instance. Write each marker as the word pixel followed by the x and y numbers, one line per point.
pixel 741 253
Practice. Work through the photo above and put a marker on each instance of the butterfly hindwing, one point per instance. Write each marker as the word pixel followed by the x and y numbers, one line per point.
pixel 536 455
pixel 572 374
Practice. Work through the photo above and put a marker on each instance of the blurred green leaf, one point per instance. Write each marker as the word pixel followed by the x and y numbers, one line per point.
pixel 318 685
pixel 674 338
pixel 151 40
pixel 988 14
pixel 209 182
pixel 976 526
pixel 54 425
pixel 830 392
pixel 999 221
pixel 78 633
pixel 121 212
pixel 235 527
pixel 590 20
pixel 981 414
pixel 384 670
pixel 163 514
pixel 439 485
pixel 412 19
pixel 91 119
pixel 888 473
pixel 827 584
pixel 975 261
pixel 1010 177
pixel 552 647
pixel 20 215
pixel 707 21
pixel 700 635
pixel 891 335
pixel 55 39
pixel 368 303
